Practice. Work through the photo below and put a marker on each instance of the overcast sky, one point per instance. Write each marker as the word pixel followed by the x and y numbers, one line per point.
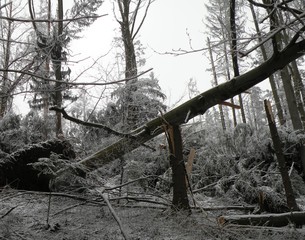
pixel 165 29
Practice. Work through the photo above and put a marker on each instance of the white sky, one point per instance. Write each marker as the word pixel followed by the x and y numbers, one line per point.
pixel 164 29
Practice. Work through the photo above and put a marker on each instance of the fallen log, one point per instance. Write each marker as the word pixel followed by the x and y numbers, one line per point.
pixel 16 172
pixel 274 220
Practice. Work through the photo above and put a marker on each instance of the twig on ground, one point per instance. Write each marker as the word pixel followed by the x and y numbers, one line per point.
pixel 70 207
pixel 8 212
pixel 105 197
pixel 130 182
pixel 49 208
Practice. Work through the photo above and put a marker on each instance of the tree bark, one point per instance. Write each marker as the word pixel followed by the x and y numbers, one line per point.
pixel 274 220
pixel 291 202
pixel 195 106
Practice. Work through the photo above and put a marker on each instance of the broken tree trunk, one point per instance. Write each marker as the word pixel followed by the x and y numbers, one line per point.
pixel 180 199
pixel 275 220
pixel 15 171
pixel 195 106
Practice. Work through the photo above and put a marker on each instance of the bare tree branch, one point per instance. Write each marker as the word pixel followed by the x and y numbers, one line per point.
pixel 143 19
pixel 88 124
pixel 49 21
pixel 281 5
pixel 134 17
pixel 4 5
pixel 97 125
pixel 74 83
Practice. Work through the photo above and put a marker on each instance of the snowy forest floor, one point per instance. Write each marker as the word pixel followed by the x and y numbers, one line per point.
pixel 24 215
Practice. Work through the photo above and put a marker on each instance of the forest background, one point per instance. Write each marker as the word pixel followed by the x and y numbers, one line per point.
pixel 116 104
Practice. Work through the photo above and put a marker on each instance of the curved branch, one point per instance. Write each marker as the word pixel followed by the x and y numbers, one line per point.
pixel 88 124
pixel 97 125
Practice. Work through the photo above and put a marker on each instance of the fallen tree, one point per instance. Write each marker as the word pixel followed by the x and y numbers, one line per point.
pixel 195 106
pixel 16 171
pixel 274 220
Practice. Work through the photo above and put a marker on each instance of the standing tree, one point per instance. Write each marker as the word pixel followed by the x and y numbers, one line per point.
pixel 16 54
pixel 51 44
pixel 234 51
pixel 130 27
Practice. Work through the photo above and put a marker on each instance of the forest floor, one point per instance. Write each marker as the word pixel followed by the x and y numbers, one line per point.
pixel 25 216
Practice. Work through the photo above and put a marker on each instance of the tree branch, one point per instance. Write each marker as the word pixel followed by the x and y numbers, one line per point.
pixel 281 6
pixel 135 17
pixel 143 19
pixel 88 124
pixel 74 83
pixel 49 21
pixel 97 125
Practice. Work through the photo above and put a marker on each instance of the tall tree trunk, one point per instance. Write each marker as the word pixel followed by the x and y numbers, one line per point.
pixel 222 118
pixel 291 202
pixel 291 100
pixel 271 78
pixel 47 75
pixel 234 53
pixel 277 41
pixel 4 100
pixel 57 50
pixel 229 77
pixel 131 69
pixel 296 76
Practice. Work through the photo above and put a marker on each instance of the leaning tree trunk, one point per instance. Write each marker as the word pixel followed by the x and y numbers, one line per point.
pixel 195 106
